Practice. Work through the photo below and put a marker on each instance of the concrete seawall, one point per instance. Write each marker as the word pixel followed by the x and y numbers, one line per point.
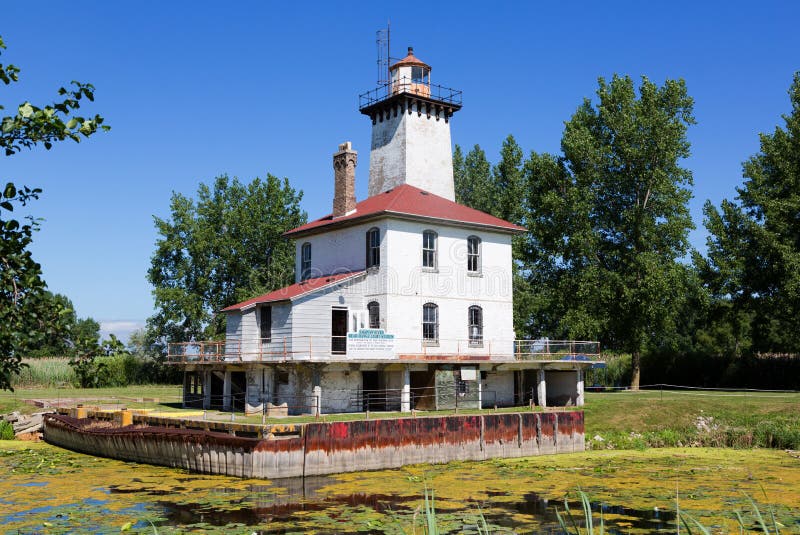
pixel 327 448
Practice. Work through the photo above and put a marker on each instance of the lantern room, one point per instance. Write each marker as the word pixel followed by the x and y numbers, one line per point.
pixel 411 75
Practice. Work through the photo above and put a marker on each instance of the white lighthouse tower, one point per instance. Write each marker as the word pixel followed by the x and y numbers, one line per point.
pixel 411 130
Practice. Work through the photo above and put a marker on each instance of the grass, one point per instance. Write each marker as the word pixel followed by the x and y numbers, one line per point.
pixel 678 418
pixel 127 396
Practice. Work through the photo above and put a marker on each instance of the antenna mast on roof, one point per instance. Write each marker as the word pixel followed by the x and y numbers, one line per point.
pixel 382 39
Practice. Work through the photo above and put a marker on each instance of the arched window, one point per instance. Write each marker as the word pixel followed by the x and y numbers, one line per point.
pixel 305 261
pixel 429 249
pixel 473 254
pixel 430 323
pixel 475 326
pixel 374 310
pixel 373 247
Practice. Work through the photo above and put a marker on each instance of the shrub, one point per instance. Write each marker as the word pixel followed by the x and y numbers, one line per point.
pixel 6 430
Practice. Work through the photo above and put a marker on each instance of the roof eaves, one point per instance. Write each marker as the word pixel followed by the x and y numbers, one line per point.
pixel 402 215
pixel 456 222
pixel 295 297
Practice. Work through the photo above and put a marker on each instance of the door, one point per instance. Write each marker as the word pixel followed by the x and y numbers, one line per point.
pixel 339 331
pixel 373 395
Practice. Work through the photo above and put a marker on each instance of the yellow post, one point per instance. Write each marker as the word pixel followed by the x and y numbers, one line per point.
pixel 123 418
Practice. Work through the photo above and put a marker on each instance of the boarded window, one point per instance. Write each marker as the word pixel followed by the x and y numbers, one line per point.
pixel 266 323
pixel 305 261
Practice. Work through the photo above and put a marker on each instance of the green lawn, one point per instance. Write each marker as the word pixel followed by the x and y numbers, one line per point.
pixel 127 396
pixel 669 417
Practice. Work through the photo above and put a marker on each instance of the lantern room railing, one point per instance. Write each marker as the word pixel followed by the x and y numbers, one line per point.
pixel 405 85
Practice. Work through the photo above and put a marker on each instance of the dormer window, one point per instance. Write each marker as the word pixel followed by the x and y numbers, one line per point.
pixel 305 261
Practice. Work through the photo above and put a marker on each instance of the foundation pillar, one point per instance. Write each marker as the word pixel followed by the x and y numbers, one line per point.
pixel 206 389
pixel 226 392
pixel 316 392
pixel 479 386
pixel 405 394
pixel 541 389
pixel 579 387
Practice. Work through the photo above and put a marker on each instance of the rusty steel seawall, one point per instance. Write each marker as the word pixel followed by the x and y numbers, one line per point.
pixel 328 448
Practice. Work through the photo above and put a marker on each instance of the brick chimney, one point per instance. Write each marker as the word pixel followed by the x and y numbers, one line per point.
pixel 344 186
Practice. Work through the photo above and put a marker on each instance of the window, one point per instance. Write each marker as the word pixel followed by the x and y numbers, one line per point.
pixel 266 323
pixel 429 249
pixel 473 254
pixel 373 247
pixel 419 75
pixel 305 261
pixel 374 310
pixel 430 324
pixel 475 326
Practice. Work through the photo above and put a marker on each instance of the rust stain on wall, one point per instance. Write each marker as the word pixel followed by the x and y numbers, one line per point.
pixel 501 428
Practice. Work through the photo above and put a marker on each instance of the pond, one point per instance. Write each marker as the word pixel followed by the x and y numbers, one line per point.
pixel 45 489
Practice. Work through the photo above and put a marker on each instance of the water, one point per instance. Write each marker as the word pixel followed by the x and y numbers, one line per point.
pixel 47 489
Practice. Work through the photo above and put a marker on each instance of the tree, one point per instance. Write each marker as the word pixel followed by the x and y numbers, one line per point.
pixel 64 328
pixel 497 190
pixel 224 248
pixel 609 220
pixel 473 179
pixel 753 263
pixel 508 182
pixel 23 302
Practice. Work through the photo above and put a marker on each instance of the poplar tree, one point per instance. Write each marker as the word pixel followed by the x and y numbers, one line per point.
pixel 753 263
pixel 473 179
pixel 609 220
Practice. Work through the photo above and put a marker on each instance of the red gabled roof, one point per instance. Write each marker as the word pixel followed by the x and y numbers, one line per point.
pixel 295 290
pixel 410 201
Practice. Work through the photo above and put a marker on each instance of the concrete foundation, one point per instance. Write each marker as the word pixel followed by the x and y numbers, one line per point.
pixel 327 448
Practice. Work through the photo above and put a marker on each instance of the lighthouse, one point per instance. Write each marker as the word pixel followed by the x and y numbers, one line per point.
pixel 411 130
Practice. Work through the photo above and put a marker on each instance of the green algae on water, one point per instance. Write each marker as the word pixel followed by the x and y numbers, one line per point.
pixel 49 490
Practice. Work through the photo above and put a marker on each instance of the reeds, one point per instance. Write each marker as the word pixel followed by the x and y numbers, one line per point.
pixel 45 372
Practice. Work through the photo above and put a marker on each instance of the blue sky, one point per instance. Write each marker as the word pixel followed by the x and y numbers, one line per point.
pixel 197 89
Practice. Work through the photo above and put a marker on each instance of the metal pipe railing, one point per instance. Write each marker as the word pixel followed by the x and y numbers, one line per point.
pixel 409 86
pixel 331 348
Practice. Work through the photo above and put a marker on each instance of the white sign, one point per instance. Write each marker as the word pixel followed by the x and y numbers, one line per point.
pixel 469 374
pixel 370 343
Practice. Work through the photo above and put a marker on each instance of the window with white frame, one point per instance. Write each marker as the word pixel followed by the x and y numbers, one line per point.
pixel 473 254
pixel 475 326
pixel 373 247
pixel 430 323
pixel 429 249
pixel 305 261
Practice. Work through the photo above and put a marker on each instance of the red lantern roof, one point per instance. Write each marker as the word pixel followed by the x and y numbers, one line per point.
pixel 410 59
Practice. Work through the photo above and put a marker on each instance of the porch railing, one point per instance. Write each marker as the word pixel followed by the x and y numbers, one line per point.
pixel 336 348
